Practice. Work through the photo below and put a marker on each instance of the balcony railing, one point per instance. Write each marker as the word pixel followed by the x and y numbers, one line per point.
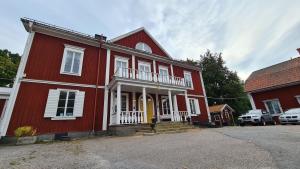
pixel 136 74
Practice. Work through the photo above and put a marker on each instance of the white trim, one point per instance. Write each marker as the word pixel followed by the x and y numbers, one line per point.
pixel 3 110
pixel 162 98
pixel 172 70
pixel 122 59
pixel 138 30
pixel 4 97
pixel 267 108
pixel 133 65
pixel 72 49
pixel 105 106
pixel 63 118
pixel 191 95
pixel 11 102
pixel 144 63
pixel 205 98
pixel 154 70
pixel 160 67
pixel 60 83
pixel 251 101
pixel 190 74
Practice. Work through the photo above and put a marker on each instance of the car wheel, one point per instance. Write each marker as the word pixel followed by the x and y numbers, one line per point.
pixel 263 122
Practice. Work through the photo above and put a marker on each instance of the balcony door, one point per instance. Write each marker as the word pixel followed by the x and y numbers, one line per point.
pixel 163 74
pixel 121 67
pixel 145 71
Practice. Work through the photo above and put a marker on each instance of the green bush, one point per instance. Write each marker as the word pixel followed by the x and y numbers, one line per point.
pixel 25 131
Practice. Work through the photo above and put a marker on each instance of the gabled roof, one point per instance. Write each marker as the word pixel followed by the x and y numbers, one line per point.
pixel 136 31
pixel 279 75
pixel 219 108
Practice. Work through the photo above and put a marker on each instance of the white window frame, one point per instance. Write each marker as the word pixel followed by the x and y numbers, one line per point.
pixel 298 98
pixel 190 74
pixel 145 47
pixel 197 106
pixel 165 99
pixel 159 70
pixel 65 116
pixel 267 108
pixel 72 49
pixel 121 59
pixel 146 64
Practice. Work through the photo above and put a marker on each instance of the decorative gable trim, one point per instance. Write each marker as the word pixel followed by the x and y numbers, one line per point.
pixel 136 31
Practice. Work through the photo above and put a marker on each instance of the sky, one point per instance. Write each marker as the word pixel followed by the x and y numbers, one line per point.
pixel 250 34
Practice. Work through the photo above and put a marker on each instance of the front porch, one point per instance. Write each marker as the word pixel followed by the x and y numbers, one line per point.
pixel 137 102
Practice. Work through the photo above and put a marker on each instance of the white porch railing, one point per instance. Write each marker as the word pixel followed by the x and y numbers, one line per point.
pixel 149 76
pixel 178 116
pixel 131 117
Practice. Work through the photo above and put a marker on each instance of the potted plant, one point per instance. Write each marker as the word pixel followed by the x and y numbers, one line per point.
pixel 25 135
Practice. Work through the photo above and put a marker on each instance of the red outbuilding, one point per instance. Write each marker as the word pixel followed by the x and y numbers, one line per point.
pixel 69 82
pixel 275 88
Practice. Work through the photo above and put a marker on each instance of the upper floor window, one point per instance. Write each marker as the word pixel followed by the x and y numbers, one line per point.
pixel 143 46
pixel 273 106
pixel 188 79
pixel 121 66
pixel 72 60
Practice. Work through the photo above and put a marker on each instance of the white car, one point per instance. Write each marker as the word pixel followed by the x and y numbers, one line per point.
pixel 291 116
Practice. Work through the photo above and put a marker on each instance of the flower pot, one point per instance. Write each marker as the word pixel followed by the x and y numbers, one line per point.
pixel 26 140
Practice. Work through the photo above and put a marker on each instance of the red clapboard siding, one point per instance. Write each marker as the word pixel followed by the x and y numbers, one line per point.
pixel 30 106
pixel 132 40
pixel 46 56
pixel 286 96
pixel 2 104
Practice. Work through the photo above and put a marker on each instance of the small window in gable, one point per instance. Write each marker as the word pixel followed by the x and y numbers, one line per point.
pixel 143 47
pixel 72 60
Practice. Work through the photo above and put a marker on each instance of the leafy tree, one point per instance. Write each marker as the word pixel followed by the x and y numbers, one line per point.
pixel 9 63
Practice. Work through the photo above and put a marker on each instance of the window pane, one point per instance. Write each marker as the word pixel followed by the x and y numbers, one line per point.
pixel 124 103
pixel 69 112
pixel 60 112
pixel 276 107
pixel 70 103
pixel 71 95
pixel 63 95
pixel 61 103
pixel 76 63
pixel 192 107
pixel 68 61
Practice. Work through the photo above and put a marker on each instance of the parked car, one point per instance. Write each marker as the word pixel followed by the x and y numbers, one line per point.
pixel 291 116
pixel 256 117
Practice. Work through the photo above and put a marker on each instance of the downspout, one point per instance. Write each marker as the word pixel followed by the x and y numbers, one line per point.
pixel 97 84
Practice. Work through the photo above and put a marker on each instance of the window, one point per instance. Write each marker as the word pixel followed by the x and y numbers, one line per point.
pixel 145 71
pixel 64 104
pixel 163 74
pixel 72 60
pixel 121 67
pixel 143 47
pixel 188 79
pixel 298 98
pixel 124 102
pixel 165 106
pixel 273 106
pixel 194 106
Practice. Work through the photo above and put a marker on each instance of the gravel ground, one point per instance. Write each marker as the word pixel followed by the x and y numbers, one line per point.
pixel 206 148
pixel 283 142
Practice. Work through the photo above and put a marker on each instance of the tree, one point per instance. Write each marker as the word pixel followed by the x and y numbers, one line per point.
pixel 9 63
pixel 222 85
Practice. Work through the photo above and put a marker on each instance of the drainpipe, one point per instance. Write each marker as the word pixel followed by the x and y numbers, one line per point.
pixel 101 39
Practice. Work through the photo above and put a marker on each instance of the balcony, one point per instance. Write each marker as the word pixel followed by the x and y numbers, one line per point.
pixel 140 75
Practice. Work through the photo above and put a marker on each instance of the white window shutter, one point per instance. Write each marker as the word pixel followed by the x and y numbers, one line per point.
pixel 52 103
pixel 198 111
pixel 79 103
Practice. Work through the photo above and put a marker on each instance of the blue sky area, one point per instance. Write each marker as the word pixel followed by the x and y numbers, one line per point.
pixel 251 34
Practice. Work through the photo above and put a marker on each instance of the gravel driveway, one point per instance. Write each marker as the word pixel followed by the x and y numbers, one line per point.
pixel 198 148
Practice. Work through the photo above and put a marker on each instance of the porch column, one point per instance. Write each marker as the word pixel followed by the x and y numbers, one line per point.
pixel 187 103
pixel 154 71
pixel 145 104
pixel 112 106
pixel 157 107
pixel 118 103
pixel 176 113
pixel 133 66
pixel 133 101
pixel 171 105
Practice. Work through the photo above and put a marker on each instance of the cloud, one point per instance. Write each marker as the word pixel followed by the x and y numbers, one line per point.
pixel 250 34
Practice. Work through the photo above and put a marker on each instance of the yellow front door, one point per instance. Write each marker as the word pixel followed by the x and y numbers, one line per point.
pixel 149 109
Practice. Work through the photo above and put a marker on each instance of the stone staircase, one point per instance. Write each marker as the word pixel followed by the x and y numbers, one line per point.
pixel 164 128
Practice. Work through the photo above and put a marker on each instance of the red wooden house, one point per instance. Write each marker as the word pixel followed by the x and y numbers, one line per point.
pixel 71 82
pixel 275 88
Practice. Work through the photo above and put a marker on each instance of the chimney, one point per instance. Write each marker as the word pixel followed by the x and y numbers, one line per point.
pixel 298 50
pixel 100 37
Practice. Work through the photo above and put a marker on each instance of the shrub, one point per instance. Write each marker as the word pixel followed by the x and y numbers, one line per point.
pixel 25 131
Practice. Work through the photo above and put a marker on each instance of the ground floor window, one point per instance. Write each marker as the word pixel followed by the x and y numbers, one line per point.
pixel 66 103
pixel 194 106
pixel 165 106
pixel 273 106
pixel 298 98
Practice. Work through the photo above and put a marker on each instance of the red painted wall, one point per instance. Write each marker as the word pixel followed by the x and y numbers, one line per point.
pixel 2 104
pixel 45 59
pixel 30 106
pixel 141 36
pixel 285 95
